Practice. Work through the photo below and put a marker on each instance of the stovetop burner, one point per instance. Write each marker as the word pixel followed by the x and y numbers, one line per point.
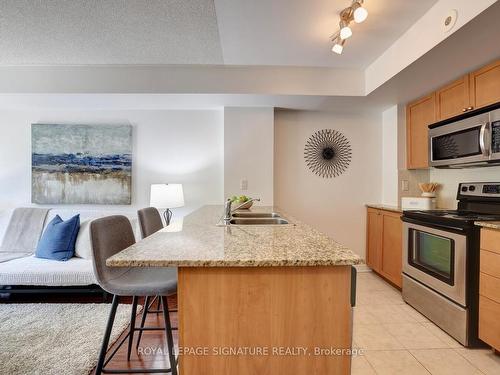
pixel 477 201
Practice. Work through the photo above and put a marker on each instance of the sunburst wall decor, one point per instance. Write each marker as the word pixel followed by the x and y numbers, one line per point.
pixel 327 153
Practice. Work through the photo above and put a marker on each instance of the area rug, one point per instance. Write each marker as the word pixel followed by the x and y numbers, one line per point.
pixel 55 338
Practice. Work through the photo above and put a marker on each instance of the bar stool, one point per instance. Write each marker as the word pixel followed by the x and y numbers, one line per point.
pixel 109 236
pixel 149 222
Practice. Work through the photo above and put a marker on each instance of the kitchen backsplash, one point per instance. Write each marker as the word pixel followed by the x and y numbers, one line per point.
pixel 450 178
pixel 414 177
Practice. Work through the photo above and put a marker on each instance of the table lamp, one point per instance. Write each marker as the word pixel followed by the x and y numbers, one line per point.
pixel 166 196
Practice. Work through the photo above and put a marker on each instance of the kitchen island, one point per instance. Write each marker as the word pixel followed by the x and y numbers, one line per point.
pixel 266 299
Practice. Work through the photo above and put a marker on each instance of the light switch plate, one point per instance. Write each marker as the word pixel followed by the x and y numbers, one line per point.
pixel 244 184
pixel 405 185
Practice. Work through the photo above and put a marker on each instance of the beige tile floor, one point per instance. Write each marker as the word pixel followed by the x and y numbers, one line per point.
pixel 397 339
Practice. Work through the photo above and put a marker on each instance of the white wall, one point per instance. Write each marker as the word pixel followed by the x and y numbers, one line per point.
pixel 390 156
pixel 450 178
pixel 334 206
pixel 168 146
pixel 248 152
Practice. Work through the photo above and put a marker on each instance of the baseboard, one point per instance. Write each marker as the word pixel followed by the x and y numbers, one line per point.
pixel 362 268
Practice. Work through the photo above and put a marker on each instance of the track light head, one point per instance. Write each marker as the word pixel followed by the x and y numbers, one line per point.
pixel 345 30
pixel 359 13
pixel 338 47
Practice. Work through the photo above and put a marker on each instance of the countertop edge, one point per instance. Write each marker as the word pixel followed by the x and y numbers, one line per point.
pixel 249 263
pixel 488 224
pixel 384 207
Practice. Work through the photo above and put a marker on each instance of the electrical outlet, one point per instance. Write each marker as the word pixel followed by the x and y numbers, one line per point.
pixel 405 185
pixel 244 184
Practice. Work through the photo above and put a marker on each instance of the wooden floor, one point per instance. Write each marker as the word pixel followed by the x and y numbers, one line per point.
pixel 152 352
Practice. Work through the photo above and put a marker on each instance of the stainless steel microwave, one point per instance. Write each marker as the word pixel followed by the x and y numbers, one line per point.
pixel 473 141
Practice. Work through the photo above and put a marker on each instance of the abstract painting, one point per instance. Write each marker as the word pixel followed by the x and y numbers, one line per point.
pixel 81 164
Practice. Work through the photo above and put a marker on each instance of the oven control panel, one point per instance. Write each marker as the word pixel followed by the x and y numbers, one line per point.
pixel 479 189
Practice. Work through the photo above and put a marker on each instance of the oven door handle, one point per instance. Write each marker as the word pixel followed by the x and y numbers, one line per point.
pixel 436 226
pixel 484 143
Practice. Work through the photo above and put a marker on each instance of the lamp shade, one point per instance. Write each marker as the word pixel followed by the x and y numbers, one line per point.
pixel 166 196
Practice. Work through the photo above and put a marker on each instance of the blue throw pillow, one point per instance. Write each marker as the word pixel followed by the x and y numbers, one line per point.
pixel 58 239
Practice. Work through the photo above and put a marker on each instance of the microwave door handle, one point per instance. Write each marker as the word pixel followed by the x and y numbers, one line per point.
pixel 483 139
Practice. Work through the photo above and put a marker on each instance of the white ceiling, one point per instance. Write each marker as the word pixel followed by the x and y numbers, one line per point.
pixel 256 86
pixel 296 32
pixel 109 32
pixel 231 32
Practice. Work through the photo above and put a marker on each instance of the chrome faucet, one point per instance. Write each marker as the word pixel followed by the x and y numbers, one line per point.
pixel 228 211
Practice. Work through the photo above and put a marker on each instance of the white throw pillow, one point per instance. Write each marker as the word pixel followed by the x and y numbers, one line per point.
pixel 83 247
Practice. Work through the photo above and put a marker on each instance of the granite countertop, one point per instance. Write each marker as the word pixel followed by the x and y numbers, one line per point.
pixel 489 224
pixel 201 243
pixel 385 207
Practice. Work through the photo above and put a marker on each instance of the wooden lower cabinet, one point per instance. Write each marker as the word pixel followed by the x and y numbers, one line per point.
pixel 384 244
pixel 266 310
pixel 489 324
pixel 373 238
pixel 489 288
pixel 392 262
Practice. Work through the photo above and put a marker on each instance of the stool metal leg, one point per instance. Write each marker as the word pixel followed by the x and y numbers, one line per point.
pixel 158 307
pixel 132 326
pixel 107 334
pixel 143 320
pixel 168 332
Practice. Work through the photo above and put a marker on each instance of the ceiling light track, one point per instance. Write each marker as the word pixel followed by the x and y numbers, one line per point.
pixel 357 13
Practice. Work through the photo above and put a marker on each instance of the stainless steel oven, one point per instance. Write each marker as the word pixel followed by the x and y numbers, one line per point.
pixel 441 259
pixel 436 258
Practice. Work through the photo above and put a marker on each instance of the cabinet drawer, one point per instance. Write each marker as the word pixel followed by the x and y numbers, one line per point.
pixel 490 263
pixel 490 240
pixel 489 324
pixel 489 286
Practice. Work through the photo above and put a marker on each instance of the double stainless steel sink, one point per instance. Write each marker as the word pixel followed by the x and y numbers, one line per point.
pixel 256 215
pixel 259 221
pixel 255 218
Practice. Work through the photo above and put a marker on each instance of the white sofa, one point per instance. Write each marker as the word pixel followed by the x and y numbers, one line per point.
pixel 76 272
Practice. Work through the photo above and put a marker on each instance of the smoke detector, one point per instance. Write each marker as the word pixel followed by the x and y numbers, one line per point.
pixel 449 20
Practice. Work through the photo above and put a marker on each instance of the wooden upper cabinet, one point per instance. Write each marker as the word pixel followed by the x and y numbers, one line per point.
pixel 419 115
pixel 453 99
pixel 485 85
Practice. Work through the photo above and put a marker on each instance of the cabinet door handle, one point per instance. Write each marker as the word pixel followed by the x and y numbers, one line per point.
pixel 464 109
pixel 470 108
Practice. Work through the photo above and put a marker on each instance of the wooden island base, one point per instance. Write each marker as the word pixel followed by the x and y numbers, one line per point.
pixel 265 320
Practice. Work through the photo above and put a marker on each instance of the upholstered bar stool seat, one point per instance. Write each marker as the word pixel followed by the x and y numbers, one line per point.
pixel 110 235
pixel 140 282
